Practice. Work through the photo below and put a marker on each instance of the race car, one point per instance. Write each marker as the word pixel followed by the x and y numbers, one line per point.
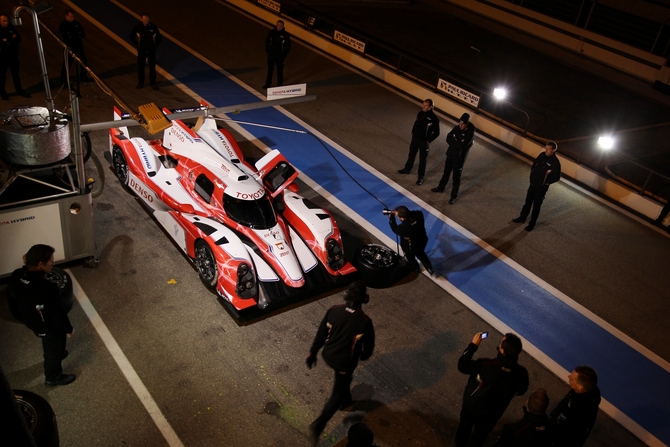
pixel 251 236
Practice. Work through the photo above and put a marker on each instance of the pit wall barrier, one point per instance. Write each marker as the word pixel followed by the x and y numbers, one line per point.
pixel 618 193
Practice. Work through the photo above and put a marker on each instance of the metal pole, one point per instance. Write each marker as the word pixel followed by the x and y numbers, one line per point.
pixel 40 51
pixel 76 138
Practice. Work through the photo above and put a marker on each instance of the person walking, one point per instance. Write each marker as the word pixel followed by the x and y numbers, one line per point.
pixel 425 130
pixel 413 237
pixel 277 47
pixel 492 384
pixel 9 57
pixel 73 36
pixel 34 301
pixel 576 414
pixel 534 429
pixel 346 335
pixel 460 140
pixel 546 169
pixel 146 37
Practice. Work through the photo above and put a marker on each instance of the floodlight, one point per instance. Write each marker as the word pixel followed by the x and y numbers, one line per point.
pixel 499 93
pixel 606 142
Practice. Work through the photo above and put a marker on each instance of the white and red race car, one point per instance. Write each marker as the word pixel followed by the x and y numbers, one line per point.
pixel 251 236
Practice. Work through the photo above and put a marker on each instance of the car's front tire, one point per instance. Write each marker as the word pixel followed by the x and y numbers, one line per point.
pixel 120 166
pixel 39 417
pixel 206 264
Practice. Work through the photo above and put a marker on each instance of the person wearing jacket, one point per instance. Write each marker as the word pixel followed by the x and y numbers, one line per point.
pixel 277 47
pixel 460 140
pixel 9 57
pixel 576 413
pixel 426 128
pixel 414 239
pixel 534 429
pixel 146 37
pixel 546 170
pixel 73 36
pixel 34 301
pixel 491 386
pixel 346 335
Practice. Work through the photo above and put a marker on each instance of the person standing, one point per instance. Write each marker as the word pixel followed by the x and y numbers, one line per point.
pixel 414 239
pixel 491 386
pixel 460 140
pixel 277 47
pixel 664 212
pixel 34 301
pixel 146 37
pixel 546 170
pixel 535 429
pixel 9 57
pixel 576 414
pixel 425 129
pixel 73 36
pixel 346 335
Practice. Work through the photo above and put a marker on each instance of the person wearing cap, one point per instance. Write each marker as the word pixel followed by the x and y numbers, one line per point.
pixel 346 335
pixel 460 140
pixel 546 170
pixel 492 384
pixel 425 129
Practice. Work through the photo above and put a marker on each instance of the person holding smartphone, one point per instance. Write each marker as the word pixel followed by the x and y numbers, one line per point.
pixel 492 384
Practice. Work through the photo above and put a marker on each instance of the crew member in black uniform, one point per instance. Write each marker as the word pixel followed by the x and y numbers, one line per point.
pixel 146 37
pixel 34 301
pixel 535 429
pixel 413 237
pixel 346 334
pixel 546 170
pixel 460 140
pixel 491 386
pixel 576 413
pixel 277 46
pixel 9 57
pixel 426 128
pixel 73 36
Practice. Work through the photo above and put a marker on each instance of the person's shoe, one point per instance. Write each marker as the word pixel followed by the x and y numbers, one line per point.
pixel 430 272
pixel 519 220
pixel 65 354
pixel 529 227
pixel 452 200
pixel 403 171
pixel 65 379
pixel 4 96
pixel 437 189
pixel 139 86
pixel 24 93
pixel 313 434
pixel 419 181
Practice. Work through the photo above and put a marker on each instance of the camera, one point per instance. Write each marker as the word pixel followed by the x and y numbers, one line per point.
pixel 387 212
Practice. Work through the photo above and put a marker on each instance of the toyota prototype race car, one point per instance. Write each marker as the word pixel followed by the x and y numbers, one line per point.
pixel 251 236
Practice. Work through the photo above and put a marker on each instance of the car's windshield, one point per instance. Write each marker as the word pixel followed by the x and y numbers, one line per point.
pixel 257 214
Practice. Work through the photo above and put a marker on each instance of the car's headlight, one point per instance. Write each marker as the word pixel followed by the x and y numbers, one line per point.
pixel 334 254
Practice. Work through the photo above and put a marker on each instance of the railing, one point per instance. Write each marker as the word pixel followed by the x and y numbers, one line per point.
pixel 652 183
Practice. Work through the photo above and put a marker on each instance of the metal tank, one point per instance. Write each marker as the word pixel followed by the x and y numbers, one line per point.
pixel 29 137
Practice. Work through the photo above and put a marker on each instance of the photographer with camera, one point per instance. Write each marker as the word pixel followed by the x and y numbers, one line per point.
pixel 413 237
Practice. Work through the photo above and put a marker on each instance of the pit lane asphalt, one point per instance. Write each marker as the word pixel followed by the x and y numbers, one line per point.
pixel 222 384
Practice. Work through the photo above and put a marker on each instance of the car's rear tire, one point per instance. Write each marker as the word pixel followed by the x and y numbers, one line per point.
pixel 206 264
pixel 60 277
pixel 377 265
pixel 120 166
pixel 39 417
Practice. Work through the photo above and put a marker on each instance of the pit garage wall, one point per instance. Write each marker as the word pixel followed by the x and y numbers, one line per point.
pixel 572 170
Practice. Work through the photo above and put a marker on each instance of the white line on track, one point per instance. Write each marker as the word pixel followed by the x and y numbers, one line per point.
pixel 606 406
pixel 125 366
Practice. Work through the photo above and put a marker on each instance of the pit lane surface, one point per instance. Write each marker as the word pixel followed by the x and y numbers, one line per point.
pixel 258 368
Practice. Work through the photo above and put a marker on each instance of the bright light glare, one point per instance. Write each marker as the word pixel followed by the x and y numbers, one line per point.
pixel 499 93
pixel 606 142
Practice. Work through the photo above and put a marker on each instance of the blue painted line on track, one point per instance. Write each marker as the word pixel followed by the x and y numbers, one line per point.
pixel 629 380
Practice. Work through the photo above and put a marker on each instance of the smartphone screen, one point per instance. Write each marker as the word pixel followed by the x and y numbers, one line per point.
pixel 484 335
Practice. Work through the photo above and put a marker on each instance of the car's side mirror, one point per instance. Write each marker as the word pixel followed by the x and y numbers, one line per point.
pixel 186 208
